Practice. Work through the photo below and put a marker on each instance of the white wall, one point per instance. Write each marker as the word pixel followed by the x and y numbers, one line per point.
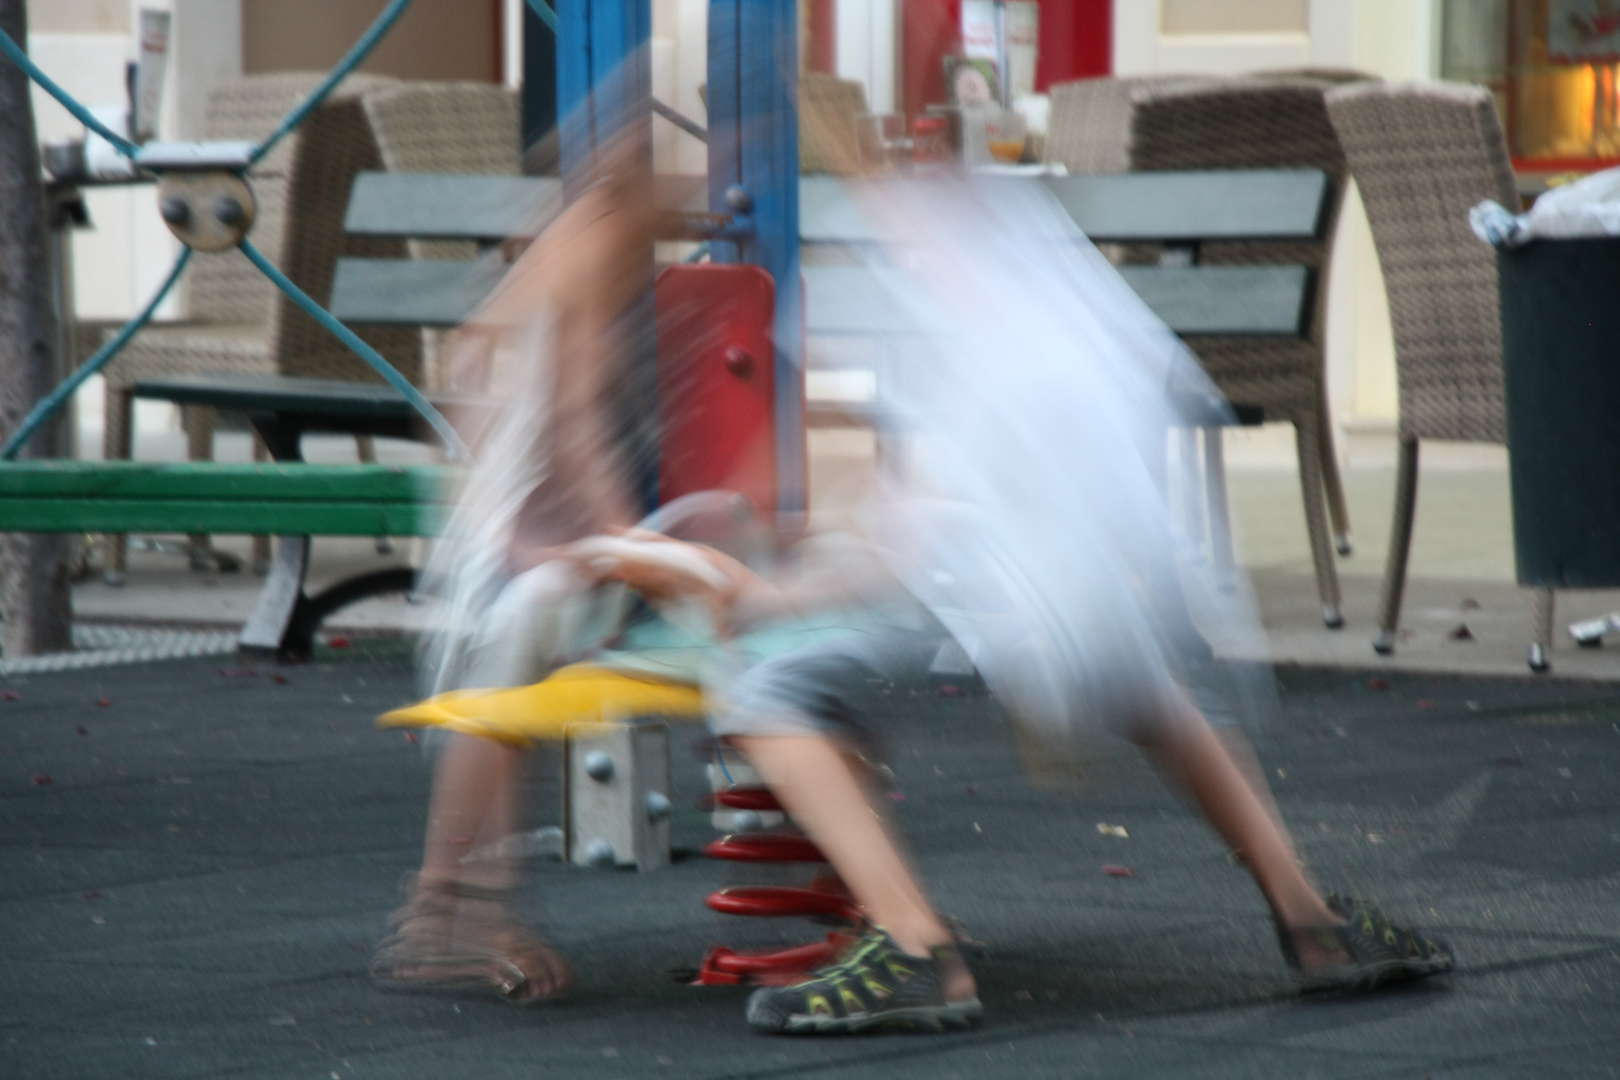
pixel 868 49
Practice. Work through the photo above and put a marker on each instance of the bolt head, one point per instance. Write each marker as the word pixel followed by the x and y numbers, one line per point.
pixel 229 210
pixel 739 361
pixel 600 853
pixel 175 210
pixel 658 806
pixel 598 766
pixel 738 199
pixel 746 821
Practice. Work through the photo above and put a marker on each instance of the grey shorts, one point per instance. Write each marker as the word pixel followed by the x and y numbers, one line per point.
pixel 834 689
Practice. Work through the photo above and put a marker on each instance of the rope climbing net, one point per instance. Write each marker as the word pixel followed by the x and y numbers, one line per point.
pixel 220 170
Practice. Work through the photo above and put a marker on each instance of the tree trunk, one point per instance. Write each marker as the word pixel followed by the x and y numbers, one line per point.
pixel 34 597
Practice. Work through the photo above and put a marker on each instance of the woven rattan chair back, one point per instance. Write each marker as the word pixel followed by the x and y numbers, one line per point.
pixel 1265 124
pixel 1422 155
pixel 438 127
pixel 1089 130
pixel 828 108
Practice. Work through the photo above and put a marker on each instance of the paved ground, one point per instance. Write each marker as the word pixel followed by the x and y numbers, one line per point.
pixel 196 891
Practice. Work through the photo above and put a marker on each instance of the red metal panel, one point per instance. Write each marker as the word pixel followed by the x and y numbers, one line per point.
pixel 1077 41
pixel 717 382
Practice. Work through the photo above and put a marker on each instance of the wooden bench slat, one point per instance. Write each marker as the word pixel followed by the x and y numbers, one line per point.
pixel 1236 204
pixel 1265 300
pixel 207 481
pixel 1260 300
pixel 57 514
pixel 427 292
pixel 1226 204
pixel 443 206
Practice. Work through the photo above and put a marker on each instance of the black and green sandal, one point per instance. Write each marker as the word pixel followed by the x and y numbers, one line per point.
pixel 1380 952
pixel 876 987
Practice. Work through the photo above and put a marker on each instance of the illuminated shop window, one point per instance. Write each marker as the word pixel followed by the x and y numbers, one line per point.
pixel 1554 66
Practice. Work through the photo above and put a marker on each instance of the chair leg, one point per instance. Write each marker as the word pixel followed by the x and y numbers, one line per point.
pixel 261 544
pixel 1400 546
pixel 1316 524
pixel 199 424
pixel 1541 630
pixel 1332 482
pixel 365 448
pixel 1220 515
pixel 118 419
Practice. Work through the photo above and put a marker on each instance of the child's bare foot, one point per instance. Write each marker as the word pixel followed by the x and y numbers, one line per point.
pixel 453 937
pixel 1361 949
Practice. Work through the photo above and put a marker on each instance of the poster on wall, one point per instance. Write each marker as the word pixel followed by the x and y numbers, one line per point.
pixel 1023 24
pixel 1583 31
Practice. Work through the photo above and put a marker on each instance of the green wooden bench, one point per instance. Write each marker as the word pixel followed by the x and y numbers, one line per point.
pixel 294 500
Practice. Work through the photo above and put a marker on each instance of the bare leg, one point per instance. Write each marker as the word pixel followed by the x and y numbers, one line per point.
pixel 455 928
pixel 473 804
pixel 1245 819
pixel 814 781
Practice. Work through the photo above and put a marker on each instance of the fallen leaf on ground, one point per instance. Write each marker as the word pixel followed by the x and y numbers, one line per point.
pixel 1112 830
pixel 42 779
pixel 1118 871
pixel 10 695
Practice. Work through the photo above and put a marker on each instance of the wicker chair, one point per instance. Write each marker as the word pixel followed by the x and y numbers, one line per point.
pixel 238 321
pixel 1422 155
pixel 439 127
pixel 1264 124
pixel 1089 130
pixel 828 108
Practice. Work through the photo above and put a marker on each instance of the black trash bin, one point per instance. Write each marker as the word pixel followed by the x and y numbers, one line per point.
pixel 1561 358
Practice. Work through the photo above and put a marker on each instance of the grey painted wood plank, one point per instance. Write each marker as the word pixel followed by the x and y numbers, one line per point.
pixel 1267 300
pixel 444 206
pixel 427 292
pixel 1214 205
pixel 1263 300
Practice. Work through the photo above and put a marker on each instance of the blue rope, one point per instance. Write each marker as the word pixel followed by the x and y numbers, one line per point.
pixel 349 62
pixel 546 15
pixel 698 254
pixel 53 401
pixel 452 441
pixel 80 113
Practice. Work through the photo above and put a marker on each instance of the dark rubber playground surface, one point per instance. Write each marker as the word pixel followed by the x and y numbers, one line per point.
pixel 196 891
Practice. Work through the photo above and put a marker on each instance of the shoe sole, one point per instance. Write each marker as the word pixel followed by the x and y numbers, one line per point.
pixel 935 1019
pixel 1372 976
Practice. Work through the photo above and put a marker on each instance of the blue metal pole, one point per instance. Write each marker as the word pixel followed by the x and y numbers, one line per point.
pixel 754 144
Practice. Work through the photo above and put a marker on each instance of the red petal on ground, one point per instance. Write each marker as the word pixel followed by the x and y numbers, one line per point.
pixel 1428 703
pixel 92 894
pixel 410 736
pixel 10 695
pixel 42 779
pixel 1118 871
pixel 82 730
pixel 278 678
pixel 119 772
pixel 1378 684
pixel 339 642
pixel 104 701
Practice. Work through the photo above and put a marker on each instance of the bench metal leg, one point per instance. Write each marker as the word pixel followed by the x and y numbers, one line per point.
pixel 286 619
pixel 278 600
pixel 1400 547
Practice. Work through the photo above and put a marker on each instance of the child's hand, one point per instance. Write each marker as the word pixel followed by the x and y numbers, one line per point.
pixel 661 570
